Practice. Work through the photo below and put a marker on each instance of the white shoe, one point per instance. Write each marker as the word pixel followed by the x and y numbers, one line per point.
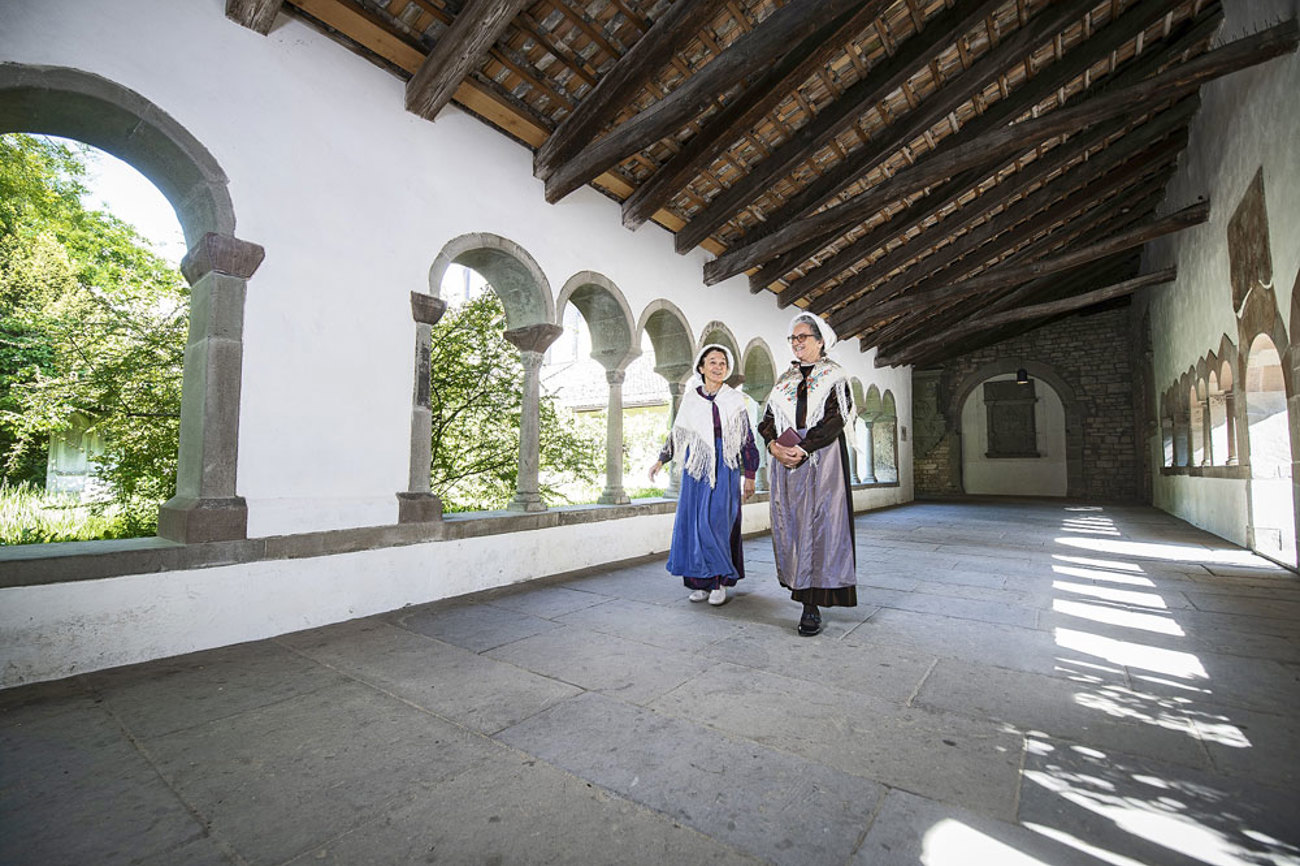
pixel 718 596
pixel 699 595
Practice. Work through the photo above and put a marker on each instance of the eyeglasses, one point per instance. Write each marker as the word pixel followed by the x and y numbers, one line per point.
pixel 796 339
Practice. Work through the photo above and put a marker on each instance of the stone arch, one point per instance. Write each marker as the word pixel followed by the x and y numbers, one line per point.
pixel 513 274
pixel 71 103
pixel 670 335
pixel 607 314
pixel 869 406
pixel 1076 486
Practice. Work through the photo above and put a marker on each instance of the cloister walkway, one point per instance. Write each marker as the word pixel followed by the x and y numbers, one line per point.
pixel 1024 682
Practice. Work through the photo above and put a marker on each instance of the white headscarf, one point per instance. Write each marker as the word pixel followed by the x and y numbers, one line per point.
pixel 823 328
pixel 693 428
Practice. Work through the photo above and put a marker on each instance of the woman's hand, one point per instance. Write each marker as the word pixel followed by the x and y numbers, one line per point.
pixel 789 457
pixel 747 489
pixel 654 470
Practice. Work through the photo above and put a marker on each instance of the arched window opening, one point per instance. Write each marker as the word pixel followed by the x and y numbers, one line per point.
pixel 1166 432
pixel 672 348
pixel 1182 454
pixel 1218 422
pixel 1272 517
pixel 1227 382
pixel 760 375
pixel 593 385
pixel 496 441
pixel 884 439
pixel 94 314
pixel 1196 416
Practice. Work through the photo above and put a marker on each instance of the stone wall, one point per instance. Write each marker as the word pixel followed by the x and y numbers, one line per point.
pixel 1091 356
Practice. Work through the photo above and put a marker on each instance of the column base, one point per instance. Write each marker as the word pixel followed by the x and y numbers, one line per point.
pixel 528 502
pixel 870 479
pixel 418 508
pixel 193 521
pixel 614 496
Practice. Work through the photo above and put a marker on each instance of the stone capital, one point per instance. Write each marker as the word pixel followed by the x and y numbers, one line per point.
pixel 615 377
pixel 534 338
pixel 426 309
pixel 223 254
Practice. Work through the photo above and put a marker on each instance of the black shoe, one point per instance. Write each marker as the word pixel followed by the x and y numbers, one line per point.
pixel 810 623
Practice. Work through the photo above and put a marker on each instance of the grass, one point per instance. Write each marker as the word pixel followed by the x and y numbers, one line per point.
pixel 29 515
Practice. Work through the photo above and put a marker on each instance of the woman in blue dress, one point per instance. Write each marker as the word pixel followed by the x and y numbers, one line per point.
pixel 713 435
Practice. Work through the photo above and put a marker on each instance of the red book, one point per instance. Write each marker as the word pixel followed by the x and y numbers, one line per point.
pixel 789 438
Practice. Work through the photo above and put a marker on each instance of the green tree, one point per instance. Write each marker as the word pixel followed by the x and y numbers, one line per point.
pixel 476 397
pixel 92 321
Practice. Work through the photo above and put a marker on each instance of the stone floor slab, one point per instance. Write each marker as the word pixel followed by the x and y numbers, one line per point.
pixel 511 808
pixel 594 661
pixel 476 627
pixel 476 692
pixel 278 780
pixel 767 803
pixel 1106 714
pixel 966 761
pixel 916 831
pixel 1151 812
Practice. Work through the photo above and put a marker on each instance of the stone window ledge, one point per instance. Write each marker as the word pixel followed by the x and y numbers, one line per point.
pixel 1241 473
pixel 70 561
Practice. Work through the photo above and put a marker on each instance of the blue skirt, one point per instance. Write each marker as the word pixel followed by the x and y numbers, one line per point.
pixel 706 532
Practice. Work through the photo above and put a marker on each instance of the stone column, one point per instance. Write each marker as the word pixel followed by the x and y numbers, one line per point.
pixel 869 457
pixel 854 452
pixel 614 493
pixel 417 504
pixel 674 488
pixel 532 342
pixel 1230 413
pixel 206 507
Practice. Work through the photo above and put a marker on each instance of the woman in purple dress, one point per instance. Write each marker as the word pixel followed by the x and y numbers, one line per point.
pixel 812 507
pixel 715 442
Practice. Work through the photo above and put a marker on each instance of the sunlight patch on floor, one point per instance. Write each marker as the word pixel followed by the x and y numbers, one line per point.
pixel 1121 652
pixel 1117 616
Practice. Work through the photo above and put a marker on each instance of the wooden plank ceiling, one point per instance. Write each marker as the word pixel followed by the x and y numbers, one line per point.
pixel 929 175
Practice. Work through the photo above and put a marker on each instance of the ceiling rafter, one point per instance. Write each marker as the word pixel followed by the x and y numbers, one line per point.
pixel 1002 143
pixel 1121 31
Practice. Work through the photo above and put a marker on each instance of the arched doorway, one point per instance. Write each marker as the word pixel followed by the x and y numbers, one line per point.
pixel 1272 510
pixel 1013 438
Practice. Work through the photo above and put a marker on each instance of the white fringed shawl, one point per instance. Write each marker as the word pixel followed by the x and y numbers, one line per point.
pixel 693 430
pixel 827 377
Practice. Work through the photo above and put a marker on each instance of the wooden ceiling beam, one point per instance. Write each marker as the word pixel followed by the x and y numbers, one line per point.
pixel 861 97
pixel 751 53
pixel 952 95
pixel 460 51
pixel 1009 275
pixel 256 15
pixel 745 112
pixel 1096 178
pixel 1084 231
pixel 919 348
pixel 998 145
pixel 629 75
pixel 1134 20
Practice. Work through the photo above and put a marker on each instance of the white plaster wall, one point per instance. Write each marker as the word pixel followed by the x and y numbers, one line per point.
pixel 352 199
pixel 1042 476
pixel 1246 121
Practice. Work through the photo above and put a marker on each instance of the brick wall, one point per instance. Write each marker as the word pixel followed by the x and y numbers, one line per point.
pixel 1092 355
